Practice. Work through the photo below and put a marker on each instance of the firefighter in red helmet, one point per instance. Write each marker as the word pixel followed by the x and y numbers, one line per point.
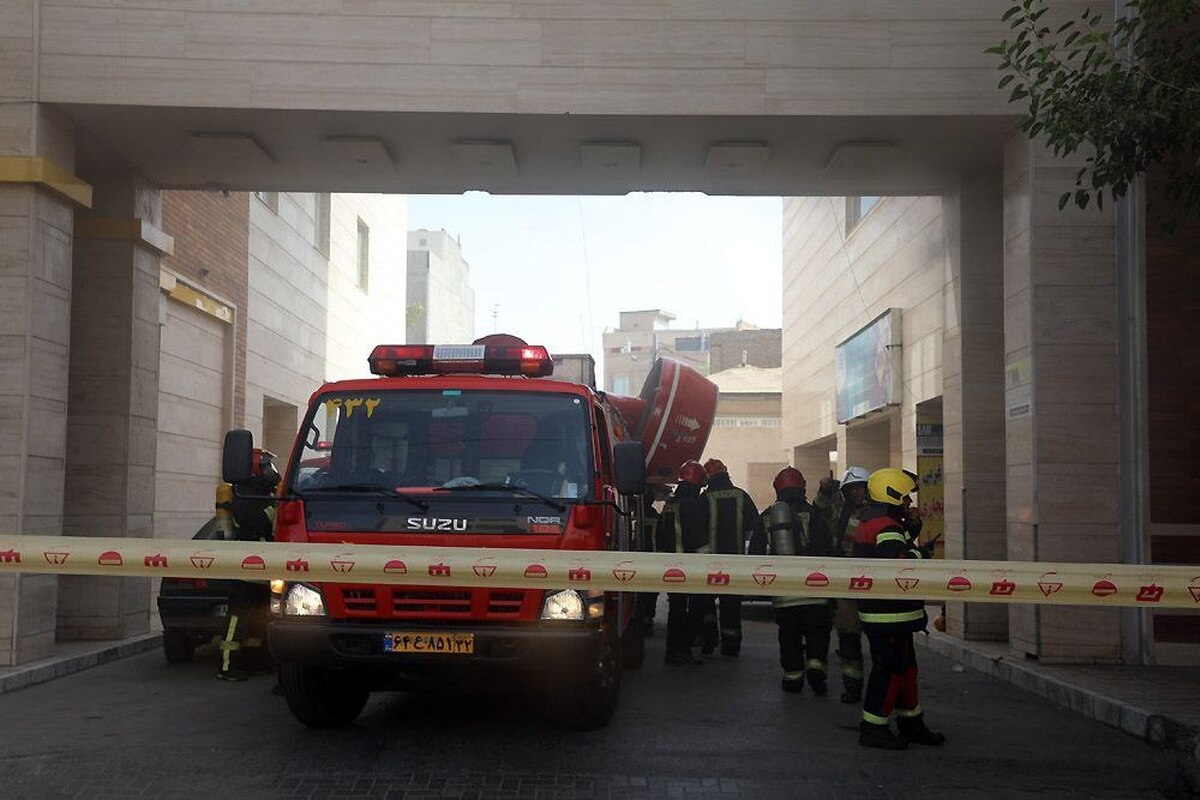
pixel 683 528
pixel 792 527
pixel 731 519
pixel 887 531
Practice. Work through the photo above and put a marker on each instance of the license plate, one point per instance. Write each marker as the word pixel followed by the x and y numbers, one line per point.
pixel 450 644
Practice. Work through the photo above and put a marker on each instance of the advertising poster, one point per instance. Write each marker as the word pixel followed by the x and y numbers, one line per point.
pixel 867 368
pixel 932 495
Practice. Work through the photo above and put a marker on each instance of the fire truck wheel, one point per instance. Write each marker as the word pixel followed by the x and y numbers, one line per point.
pixel 587 703
pixel 322 698
pixel 178 646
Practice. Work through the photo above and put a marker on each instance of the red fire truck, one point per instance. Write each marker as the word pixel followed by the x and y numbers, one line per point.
pixel 471 446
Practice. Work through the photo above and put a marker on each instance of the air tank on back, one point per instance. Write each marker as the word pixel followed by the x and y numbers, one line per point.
pixel 672 416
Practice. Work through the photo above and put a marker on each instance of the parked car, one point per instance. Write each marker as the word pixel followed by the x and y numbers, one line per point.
pixel 195 611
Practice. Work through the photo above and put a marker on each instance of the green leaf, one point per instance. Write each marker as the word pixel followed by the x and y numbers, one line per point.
pixel 1006 80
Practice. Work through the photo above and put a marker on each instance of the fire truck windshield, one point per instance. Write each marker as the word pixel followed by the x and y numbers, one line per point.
pixel 417 443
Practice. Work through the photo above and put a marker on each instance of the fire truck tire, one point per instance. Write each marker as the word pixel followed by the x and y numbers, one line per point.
pixel 178 647
pixel 587 703
pixel 633 647
pixel 322 698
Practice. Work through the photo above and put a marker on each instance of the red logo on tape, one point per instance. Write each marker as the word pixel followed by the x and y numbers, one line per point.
pixel 254 563
pixel 817 580
pixel 907 582
pixel 1151 593
pixel 110 558
pixel 579 575
pixel 484 570
pixel 201 561
pixel 396 567
pixel 56 557
pixel 762 575
pixel 439 570
pixel 1048 585
pixel 158 561
pixel 674 575
pixel 624 571
pixel 1003 588
pixel 1104 588
pixel 296 565
pixel 536 571
pixel 10 557
pixel 718 579
pixel 959 583
pixel 861 583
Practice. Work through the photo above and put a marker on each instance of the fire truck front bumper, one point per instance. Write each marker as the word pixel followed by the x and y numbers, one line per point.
pixel 426 653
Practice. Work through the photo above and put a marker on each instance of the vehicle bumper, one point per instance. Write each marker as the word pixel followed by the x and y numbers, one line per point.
pixel 199 614
pixel 514 651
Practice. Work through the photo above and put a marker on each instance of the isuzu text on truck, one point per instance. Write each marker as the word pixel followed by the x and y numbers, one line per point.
pixel 470 446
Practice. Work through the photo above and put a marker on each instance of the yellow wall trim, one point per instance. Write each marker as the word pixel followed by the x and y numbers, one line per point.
pixel 177 290
pixel 43 172
pixel 128 230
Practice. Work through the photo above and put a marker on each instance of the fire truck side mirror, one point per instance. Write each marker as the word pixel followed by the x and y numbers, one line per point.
pixel 629 464
pixel 237 457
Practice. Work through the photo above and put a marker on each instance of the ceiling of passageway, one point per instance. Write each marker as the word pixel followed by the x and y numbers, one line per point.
pixel 426 153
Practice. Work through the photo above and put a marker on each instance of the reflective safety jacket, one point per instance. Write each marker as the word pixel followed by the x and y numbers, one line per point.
pixel 842 519
pixel 810 537
pixel 731 515
pixel 881 535
pixel 683 526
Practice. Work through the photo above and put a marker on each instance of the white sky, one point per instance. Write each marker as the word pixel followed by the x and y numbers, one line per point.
pixel 560 269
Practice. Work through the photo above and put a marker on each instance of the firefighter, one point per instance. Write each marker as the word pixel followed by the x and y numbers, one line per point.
pixel 841 502
pixel 885 531
pixel 731 518
pixel 683 528
pixel 253 520
pixel 791 527
pixel 647 602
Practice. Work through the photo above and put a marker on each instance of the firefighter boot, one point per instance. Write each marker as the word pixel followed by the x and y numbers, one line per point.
pixel 816 679
pixel 793 682
pixel 881 736
pixel 852 689
pixel 912 729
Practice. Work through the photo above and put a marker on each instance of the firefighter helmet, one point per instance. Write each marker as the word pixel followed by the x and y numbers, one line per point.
pixel 890 485
pixel 715 466
pixel 855 475
pixel 692 472
pixel 789 478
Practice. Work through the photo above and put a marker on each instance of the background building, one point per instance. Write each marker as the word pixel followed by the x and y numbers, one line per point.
pixel 441 302
pixel 745 433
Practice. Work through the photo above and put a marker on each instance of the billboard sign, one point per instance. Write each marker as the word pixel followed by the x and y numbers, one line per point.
pixel 868 368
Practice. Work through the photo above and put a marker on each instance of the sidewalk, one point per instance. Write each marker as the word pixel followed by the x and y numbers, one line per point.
pixel 1158 704
pixel 74 657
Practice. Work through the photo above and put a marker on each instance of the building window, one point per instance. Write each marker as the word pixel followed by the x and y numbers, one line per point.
pixel 364 254
pixel 271 199
pixel 856 209
pixel 323 211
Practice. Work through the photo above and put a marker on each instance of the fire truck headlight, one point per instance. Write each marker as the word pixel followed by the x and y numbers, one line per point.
pixel 565 604
pixel 303 601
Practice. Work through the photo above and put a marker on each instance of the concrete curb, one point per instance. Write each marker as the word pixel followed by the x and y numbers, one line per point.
pixel 1173 734
pixel 48 669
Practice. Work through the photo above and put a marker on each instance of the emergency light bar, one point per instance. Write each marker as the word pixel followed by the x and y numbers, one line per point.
pixel 392 360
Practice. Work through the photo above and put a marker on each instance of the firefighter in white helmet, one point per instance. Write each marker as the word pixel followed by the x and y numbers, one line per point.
pixel 885 531
pixel 841 503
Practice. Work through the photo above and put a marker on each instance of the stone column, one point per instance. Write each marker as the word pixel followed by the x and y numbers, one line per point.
pixel 1061 397
pixel 973 394
pixel 112 429
pixel 38 195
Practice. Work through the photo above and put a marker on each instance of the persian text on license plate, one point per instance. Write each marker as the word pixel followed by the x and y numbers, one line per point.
pixel 419 642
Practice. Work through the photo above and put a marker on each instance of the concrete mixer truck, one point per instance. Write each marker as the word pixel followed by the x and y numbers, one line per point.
pixel 470 446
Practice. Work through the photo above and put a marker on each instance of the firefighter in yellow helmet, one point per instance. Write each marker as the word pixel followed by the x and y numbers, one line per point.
pixel 886 531
pixel 790 527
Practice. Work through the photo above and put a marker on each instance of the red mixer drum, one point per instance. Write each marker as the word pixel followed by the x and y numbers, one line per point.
pixel 672 416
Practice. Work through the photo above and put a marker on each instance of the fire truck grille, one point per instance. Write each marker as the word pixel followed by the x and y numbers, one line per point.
pixel 360 601
pixel 414 603
pixel 505 604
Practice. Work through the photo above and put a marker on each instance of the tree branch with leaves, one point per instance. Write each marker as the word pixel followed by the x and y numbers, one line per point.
pixel 1126 91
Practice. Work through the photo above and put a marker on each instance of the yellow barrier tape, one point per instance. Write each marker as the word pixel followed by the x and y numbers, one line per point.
pixel 1141 585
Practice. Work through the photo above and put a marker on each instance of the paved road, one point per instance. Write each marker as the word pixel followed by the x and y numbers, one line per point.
pixel 140 728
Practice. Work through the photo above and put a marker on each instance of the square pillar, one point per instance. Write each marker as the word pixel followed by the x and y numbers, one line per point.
pixel 112 429
pixel 35 309
pixel 973 391
pixel 1061 419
